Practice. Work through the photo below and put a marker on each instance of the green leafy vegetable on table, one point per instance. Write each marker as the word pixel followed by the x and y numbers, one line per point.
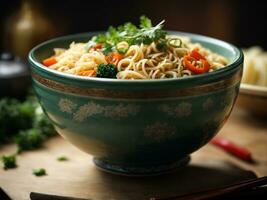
pixel 9 162
pixel 29 139
pixel 24 123
pixel 14 116
pixel 62 158
pixel 39 172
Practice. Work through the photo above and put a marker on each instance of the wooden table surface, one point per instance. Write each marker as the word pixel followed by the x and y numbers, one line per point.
pixel 209 167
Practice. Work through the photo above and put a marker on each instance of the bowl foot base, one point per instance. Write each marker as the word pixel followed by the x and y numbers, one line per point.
pixel 140 170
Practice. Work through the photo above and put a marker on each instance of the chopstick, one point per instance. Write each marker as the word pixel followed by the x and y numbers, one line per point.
pixel 210 194
pixel 41 196
pixel 3 195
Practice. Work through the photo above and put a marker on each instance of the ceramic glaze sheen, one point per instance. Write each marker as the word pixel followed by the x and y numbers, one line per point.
pixel 138 127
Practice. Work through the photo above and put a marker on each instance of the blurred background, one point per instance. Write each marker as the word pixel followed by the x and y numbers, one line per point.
pixel 25 23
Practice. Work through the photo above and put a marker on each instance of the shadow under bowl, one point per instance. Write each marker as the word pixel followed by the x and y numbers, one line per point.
pixel 137 127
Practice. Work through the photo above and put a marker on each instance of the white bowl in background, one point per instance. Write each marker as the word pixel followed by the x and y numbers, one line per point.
pixel 253 99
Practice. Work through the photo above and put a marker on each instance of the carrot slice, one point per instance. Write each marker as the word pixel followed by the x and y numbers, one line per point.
pixel 49 61
pixel 114 58
pixel 89 72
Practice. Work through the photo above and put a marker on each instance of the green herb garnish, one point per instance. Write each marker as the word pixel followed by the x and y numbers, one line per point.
pixel 9 162
pixel 148 35
pixel 29 139
pixel 24 122
pixel 145 33
pixel 145 22
pixel 14 116
pixel 39 172
pixel 42 123
pixel 62 158
pixel 107 48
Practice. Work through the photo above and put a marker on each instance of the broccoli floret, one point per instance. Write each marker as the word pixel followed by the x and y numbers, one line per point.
pixel 25 122
pixel 27 114
pixel 106 71
pixel 9 162
pixel 42 123
pixel 27 109
pixel 9 117
pixel 39 172
pixel 29 139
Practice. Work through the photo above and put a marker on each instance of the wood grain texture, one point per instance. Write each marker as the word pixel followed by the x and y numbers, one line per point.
pixel 210 167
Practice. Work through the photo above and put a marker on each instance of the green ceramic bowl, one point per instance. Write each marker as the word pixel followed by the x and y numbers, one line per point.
pixel 137 127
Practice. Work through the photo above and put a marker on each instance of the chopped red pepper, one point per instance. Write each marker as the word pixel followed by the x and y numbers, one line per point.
pixel 233 149
pixel 98 46
pixel 195 54
pixel 196 68
pixel 196 62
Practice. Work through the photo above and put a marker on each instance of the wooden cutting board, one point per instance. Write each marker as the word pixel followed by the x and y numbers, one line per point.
pixel 209 167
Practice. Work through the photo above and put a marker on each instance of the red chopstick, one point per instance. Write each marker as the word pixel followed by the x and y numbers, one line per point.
pixel 230 147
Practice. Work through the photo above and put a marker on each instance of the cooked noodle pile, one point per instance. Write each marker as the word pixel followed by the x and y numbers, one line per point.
pixel 147 62
pixel 139 61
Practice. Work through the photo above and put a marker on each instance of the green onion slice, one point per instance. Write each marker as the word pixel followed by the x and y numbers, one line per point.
pixel 121 50
pixel 175 42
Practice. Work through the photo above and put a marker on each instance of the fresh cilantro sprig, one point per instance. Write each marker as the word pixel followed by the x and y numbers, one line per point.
pixel 145 22
pixel 145 33
pixel 148 34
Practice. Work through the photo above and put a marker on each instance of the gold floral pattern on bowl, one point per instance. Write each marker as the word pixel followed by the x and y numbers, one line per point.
pixel 143 94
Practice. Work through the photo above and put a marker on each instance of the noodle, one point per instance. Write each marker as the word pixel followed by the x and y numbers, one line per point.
pixel 150 57
pixel 140 61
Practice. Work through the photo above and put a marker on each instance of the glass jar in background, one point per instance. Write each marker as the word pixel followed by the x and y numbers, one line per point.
pixel 26 28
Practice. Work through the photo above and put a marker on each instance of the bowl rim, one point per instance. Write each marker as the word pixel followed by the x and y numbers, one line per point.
pixel 250 89
pixel 234 65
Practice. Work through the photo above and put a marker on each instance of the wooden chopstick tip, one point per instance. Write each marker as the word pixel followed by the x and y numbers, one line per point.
pixel 4 195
